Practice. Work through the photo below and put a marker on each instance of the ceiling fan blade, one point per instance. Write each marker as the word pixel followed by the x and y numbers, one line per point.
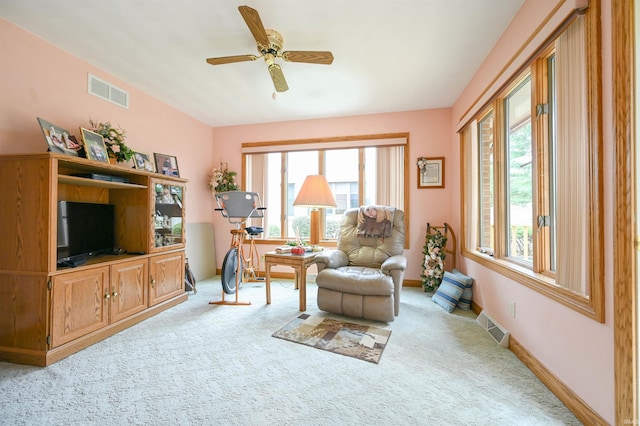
pixel 309 57
pixel 278 78
pixel 252 18
pixel 231 59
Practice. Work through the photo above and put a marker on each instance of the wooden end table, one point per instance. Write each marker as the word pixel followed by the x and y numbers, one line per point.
pixel 299 263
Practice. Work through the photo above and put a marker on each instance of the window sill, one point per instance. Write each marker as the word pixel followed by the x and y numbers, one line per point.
pixel 281 242
pixel 538 282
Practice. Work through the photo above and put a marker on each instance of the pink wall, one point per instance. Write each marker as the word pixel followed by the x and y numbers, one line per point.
pixel 429 130
pixel 576 349
pixel 39 80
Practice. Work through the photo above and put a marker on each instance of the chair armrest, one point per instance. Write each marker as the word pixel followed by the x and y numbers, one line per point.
pixel 331 259
pixel 397 262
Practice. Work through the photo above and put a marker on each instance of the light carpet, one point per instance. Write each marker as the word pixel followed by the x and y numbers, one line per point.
pixel 364 342
pixel 202 364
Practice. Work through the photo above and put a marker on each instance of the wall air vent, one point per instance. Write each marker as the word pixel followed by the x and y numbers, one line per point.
pixel 499 334
pixel 108 92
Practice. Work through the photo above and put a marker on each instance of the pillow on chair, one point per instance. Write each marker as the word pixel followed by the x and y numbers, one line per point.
pixel 449 292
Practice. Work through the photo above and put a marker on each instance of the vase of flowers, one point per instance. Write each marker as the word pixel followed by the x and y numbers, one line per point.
pixel 113 140
pixel 222 179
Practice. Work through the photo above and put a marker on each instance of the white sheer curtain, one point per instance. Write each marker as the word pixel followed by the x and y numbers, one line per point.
pixel 257 178
pixel 390 176
pixel 572 161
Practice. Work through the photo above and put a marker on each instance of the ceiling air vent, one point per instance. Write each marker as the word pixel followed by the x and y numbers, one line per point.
pixel 108 92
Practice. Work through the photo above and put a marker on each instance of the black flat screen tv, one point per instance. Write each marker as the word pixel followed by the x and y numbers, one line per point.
pixel 84 230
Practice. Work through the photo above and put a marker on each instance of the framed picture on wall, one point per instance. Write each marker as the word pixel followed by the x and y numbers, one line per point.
pixel 94 145
pixel 166 164
pixel 431 172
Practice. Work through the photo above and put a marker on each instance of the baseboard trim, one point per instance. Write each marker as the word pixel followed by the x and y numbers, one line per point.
pixel 573 402
pixel 569 398
pixel 412 283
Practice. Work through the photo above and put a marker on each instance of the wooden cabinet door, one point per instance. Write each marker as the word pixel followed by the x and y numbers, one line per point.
pixel 167 220
pixel 79 304
pixel 166 277
pixel 128 289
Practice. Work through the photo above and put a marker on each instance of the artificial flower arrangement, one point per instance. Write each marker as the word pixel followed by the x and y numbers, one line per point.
pixel 421 163
pixel 113 140
pixel 434 256
pixel 223 180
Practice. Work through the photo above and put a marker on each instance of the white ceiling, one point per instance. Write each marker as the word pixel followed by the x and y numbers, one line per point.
pixel 390 55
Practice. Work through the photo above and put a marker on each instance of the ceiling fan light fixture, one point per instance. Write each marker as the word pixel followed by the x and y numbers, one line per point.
pixel 269 58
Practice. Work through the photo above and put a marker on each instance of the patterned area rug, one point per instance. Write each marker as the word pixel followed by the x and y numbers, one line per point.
pixel 355 340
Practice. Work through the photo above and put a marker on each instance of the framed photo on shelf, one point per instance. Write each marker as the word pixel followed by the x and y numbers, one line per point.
pixel 166 164
pixel 94 145
pixel 58 139
pixel 142 162
pixel 431 172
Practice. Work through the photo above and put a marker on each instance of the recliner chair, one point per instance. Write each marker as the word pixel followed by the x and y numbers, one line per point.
pixel 362 278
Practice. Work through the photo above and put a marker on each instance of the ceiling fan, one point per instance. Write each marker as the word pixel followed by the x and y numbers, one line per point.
pixel 269 43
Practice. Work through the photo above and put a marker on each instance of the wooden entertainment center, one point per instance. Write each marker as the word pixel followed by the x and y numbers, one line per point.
pixel 48 312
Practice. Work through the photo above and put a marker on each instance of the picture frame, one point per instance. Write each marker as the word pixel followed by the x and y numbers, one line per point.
pixel 58 139
pixel 166 164
pixel 141 161
pixel 94 146
pixel 431 172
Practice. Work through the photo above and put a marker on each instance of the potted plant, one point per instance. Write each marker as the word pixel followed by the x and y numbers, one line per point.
pixel 222 179
pixel 114 141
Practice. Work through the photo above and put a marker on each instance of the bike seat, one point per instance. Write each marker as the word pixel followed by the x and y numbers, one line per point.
pixel 254 230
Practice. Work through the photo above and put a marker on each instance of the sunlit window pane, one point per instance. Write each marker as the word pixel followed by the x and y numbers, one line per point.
pixel 342 175
pixel 370 188
pixel 299 165
pixel 271 199
pixel 519 192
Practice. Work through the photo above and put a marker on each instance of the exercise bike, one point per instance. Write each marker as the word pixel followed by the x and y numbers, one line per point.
pixel 239 208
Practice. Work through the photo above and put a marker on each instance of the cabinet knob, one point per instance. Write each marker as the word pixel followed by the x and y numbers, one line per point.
pixel 107 296
pixel 115 294
pixel 153 282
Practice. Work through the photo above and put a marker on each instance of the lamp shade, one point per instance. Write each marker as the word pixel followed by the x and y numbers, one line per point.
pixel 315 192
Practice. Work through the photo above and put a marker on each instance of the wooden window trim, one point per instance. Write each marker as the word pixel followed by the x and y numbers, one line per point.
pixel 311 144
pixel 592 305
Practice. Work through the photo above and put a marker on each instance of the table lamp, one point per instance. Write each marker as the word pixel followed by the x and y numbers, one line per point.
pixel 315 193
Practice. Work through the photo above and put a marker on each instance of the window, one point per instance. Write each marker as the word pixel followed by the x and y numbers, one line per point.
pixel 532 199
pixel 485 192
pixel 518 172
pixel 360 171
